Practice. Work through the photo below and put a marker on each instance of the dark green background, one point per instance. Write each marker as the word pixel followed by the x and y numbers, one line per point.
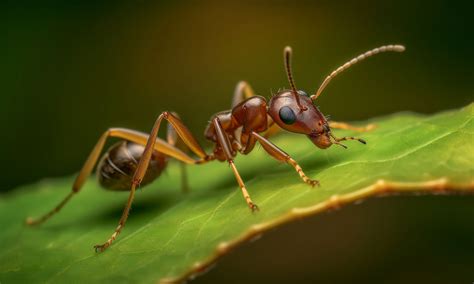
pixel 71 69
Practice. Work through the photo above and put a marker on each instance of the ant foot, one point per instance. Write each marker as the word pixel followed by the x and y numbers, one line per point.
pixel 31 221
pixel 253 207
pixel 313 182
pixel 101 248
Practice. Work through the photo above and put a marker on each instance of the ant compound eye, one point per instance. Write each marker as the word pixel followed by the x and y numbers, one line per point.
pixel 303 93
pixel 287 115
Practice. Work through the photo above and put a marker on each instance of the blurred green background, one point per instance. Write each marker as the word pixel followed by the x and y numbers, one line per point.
pixel 71 69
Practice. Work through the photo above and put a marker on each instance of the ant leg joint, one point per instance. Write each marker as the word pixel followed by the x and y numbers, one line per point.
pixel 253 207
pixel 136 182
pixel 207 158
pixel 303 176
pixel 101 248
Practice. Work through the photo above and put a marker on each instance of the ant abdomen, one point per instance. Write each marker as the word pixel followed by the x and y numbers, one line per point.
pixel 118 165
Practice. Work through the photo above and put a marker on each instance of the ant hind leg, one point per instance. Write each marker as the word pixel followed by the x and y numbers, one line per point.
pixel 130 135
pixel 187 138
pixel 173 139
pixel 123 133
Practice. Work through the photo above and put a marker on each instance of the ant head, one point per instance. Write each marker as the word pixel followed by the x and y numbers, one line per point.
pixel 293 110
pixel 302 117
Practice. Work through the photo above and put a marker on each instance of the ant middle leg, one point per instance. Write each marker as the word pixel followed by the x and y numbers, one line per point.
pixel 173 139
pixel 224 142
pixel 280 155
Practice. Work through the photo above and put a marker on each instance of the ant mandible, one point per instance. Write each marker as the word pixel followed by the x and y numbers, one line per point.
pixel 140 158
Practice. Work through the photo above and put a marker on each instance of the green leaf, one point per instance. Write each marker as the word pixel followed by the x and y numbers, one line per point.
pixel 170 236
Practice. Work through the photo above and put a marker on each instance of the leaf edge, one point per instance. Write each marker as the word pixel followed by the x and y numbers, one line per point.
pixel 440 186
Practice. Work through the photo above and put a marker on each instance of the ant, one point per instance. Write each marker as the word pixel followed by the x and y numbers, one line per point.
pixel 140 158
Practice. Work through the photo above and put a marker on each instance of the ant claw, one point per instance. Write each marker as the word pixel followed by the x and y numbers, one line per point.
pixel 254 207
pixel 314 183
pixel 29 221
pixel 33 222
pixel 99 248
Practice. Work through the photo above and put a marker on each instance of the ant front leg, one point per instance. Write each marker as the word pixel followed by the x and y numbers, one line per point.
pixel 280 155
pixel 224 142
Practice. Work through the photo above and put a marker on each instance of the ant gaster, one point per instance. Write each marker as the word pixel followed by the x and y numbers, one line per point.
pixel 140 158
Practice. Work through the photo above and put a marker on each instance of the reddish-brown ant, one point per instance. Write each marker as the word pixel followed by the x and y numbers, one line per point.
pixel 140 158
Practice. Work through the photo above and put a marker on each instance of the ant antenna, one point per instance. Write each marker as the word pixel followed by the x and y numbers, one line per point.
pixel 287 57
pixel 396 48
pixel 340 144
pixel 336 141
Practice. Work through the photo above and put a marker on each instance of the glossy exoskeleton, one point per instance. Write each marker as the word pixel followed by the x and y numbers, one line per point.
pixel 140 158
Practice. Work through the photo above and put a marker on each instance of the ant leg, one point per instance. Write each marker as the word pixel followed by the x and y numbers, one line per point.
pixel 242 92
pixel 31 222
pixel 137 178
pixel 280 155
pixel 183 132
pixel 127 134
pixel 346 126
pixel 245 193
pixel 172 139
pixel 224 142
pixel 187 138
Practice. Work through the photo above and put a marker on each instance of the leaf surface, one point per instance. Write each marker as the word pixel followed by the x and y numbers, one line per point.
pixel 170 236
